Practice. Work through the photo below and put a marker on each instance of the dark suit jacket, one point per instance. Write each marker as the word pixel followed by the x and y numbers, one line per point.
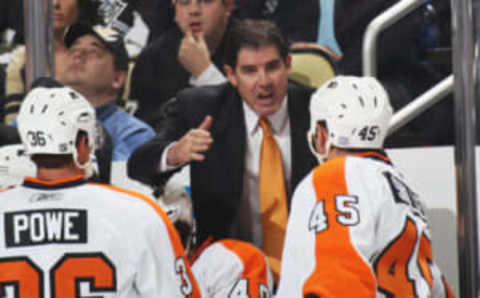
pixel 217 182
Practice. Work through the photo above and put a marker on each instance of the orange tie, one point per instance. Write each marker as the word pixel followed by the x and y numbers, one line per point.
pixel 273 198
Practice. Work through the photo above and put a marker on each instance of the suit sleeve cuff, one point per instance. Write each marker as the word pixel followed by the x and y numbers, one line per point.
pixel 163 166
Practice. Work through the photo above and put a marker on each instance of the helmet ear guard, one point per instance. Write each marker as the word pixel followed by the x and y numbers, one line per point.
pixel 356 112
pixel 51 118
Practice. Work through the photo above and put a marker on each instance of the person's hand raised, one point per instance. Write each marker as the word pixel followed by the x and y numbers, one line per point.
pixel 194 54
pixel 192 146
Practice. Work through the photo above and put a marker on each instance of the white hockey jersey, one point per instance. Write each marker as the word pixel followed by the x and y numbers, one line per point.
pixel 69 238
pixel 356 229
pixel 233 269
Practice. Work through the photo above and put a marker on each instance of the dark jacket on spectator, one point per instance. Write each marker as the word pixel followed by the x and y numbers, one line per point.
pixel 158 75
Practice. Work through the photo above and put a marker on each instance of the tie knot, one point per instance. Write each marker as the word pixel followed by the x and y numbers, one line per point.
pixel 265 126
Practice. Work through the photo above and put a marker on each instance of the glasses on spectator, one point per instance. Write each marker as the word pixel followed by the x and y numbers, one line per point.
pixel 189 2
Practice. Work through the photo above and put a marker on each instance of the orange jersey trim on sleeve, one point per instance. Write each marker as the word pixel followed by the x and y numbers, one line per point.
pixel 172 232
pixel 448 290
pixel 339 269
pixel 254 262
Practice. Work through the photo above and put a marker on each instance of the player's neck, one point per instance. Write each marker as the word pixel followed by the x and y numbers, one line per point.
pixel 336 152
pixel 59 173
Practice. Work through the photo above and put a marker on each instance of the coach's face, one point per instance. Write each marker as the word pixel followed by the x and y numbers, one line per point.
pixel 90 67
pixel 261 77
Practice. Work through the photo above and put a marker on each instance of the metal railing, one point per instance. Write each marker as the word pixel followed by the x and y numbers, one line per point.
pixel 38 39
pixel 379 24
pixel 420 104
pixel 465 59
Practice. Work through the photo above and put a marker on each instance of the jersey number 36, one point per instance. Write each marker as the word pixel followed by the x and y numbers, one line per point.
pixel 27 279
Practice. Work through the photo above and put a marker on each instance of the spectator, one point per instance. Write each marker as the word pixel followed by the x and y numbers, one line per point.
pixel 221 268
pixel 97 67
pixel 64 232
pixel 191 53
pixel 65 13
pixel 356 229
pixel 217 130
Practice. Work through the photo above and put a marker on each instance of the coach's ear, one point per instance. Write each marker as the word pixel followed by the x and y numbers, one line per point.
pixel 230 72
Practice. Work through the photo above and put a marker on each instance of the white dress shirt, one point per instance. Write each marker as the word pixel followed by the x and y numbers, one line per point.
pixel 249 228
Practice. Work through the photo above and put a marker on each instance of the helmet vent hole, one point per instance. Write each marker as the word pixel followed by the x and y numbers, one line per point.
pixel 355 86
pixel 73 95
pixel 344 106
pixel 32 108
pixel 340 116
pixel 361 101
pixel 44 109
pixel 61 113
pixel 332 85
pixel 63 123
pixel 375 101
pixel 52 95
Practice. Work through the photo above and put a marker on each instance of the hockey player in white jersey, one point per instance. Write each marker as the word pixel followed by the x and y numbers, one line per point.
pixel 64 237
pixel 356 228
pixel 226 268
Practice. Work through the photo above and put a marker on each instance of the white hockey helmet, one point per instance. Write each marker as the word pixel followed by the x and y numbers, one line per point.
pixel 50 120
pixel 355 110
pixel 15 165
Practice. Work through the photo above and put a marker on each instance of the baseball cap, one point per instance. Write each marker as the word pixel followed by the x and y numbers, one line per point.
pixel 112 39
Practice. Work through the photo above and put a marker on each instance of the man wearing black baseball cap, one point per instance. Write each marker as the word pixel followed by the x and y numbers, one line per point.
pixel 111 39
pixel 97 68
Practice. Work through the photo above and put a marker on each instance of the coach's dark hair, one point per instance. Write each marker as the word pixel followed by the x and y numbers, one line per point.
pixel 56 161
pixel 249 33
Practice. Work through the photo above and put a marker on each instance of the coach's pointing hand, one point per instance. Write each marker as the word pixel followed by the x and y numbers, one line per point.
pixel 192 145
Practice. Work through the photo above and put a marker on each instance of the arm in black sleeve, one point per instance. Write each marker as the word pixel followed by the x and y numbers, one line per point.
pixel 143 165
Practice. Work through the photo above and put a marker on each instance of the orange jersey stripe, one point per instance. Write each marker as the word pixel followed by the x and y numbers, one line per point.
pixel 448 290
pixel 339 269
pixel 54 182
pixel 372 153
pixel 255 265
pixel 172 232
